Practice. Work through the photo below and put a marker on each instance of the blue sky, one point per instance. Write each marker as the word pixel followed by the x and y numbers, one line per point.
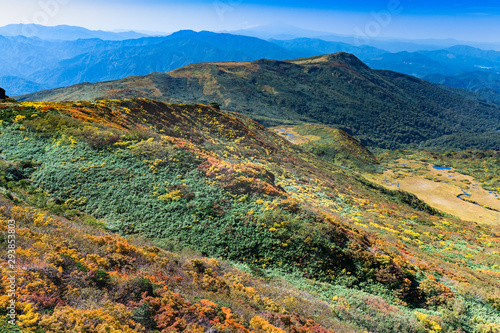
pixel 463 20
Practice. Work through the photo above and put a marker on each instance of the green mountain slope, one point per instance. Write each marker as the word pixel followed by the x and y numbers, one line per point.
pixel 380 108
pixel 192 176
pixel 331 144
pixel 486 84
pixel 81 277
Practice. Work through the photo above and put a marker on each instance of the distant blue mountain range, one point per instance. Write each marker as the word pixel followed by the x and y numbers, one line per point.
pixel 38 63
pixel 64 32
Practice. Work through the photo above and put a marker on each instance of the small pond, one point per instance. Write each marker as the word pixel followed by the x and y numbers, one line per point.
pixel 441 168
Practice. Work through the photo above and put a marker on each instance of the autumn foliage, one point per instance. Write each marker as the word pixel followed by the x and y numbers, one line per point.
pixel 122 207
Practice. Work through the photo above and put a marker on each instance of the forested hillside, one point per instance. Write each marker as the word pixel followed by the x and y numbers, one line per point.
pixel 379 108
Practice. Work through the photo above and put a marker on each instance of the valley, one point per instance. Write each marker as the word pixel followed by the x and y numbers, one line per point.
pixel 441 187
pixel 446 190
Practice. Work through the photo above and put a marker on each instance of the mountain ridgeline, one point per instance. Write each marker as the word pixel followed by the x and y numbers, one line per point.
pixel 32 64
pixel 380 108
pixel 36 57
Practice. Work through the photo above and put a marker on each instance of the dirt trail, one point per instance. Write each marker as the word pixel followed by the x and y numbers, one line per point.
pixel 441 188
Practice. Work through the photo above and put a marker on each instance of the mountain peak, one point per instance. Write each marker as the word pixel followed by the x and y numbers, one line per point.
pixel 339 57
pixel 182 33
pixel 348 58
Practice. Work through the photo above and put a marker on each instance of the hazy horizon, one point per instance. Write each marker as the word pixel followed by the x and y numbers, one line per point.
pixel 405 19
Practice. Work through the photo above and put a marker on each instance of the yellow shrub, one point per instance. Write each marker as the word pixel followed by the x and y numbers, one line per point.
pixel 41 220
pixel 488 328
pixel 430 325
pixel 19 118
pixel 172 196
pixel 29 318
pixel 262 325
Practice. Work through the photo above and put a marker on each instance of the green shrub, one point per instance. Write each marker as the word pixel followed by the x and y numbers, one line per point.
pixel 151 149
pixel 99 278
pixel 51 124
pixel 6 327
